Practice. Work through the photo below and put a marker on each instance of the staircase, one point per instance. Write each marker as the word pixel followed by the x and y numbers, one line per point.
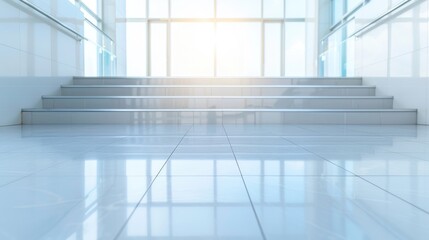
pixel 116 100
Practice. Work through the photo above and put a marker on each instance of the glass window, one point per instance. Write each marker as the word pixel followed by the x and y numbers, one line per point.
pixel 158 8
pixel 136 8
pixel 192 49
pixel 158 49
pixel 239 8
pixel 337 10
pixel 239 49
pixel 120 9
pixel 310 48
pixel 136 49
pixel 121 45
pixel 188 42
pixel 295 49
pixel 295 9
pixel 273 8
pixel 192 8
pixel 272 42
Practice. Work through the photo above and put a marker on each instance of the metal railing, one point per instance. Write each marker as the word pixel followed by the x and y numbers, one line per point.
pixel 370 24
pixel 77 35
pixel 379 18
pixel 98 29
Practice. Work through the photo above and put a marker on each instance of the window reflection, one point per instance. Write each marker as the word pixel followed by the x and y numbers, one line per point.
pixel 91 174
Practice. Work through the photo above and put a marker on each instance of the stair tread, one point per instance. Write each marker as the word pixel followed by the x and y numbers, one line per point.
pixel 214 110
pixel 286 78
pixel 215 86
pixel 232 97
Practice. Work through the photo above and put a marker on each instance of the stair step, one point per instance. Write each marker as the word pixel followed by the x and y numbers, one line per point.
pixel 217 90
pixel 226 102
pixel 215 81
pixel 219 116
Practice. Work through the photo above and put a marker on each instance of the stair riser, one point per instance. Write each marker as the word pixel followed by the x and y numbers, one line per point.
pixel 205 103
pixel 222 81
pixel 201 117
pixel 217 91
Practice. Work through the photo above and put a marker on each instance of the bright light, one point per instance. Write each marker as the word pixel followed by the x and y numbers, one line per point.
pixel 192 49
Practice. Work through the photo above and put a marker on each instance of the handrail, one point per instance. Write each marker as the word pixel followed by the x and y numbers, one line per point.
pixel 101 31
pixel 359 31
pixel 52 18
pixel 337 28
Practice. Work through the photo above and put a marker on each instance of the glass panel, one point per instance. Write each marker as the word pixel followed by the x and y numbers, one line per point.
pixel 239 8
pixel 136 49
pixel 333 57
pixel 158 8
pixel 90 51
pixel 158 49
pixel 192 47
pixel 192 8
pixel 239 49
pixel 273 8
pixel 136 8
pixel 295 9
pixel 272 49
pixel 295 49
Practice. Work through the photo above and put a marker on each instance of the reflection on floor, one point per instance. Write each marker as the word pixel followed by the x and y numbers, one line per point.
pixel 214 182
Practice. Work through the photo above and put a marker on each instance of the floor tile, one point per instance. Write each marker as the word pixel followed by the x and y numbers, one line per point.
pixel 201 164
pixel 286 164
pixel 413 189
pixel 194 208
pixel 61 207
pixel 305 182
pixel 332 208
pixel 379 164
pixel 110 164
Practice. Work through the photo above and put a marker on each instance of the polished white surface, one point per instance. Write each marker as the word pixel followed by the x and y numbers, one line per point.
pixel 17 93
pixel 32 45
pixel 35 54
pixel 393 54
pixel 214 182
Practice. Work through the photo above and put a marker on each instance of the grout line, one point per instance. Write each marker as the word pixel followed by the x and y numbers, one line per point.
pixel 56 164
pixel 245 186
pixel 62 163
pixel 358 176
pixel 150 185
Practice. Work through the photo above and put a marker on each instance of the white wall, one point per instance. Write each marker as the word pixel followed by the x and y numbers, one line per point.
pixel 17 93
pixel 31 45
pixel 36 56
pixel 394 56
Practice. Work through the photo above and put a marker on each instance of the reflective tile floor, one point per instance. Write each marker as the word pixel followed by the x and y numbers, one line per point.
pixel 214 182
